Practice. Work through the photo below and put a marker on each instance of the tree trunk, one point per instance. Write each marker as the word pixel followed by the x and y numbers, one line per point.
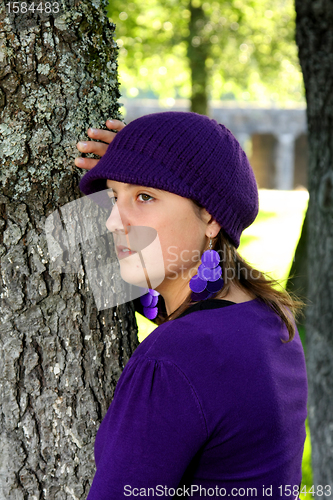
pixel 298 275
pixel 60 358
pixel 197 53
pixel 314 36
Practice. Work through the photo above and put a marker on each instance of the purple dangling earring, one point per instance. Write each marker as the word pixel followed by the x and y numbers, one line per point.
pixel 204 285
pixel 149 302
pixel 209 279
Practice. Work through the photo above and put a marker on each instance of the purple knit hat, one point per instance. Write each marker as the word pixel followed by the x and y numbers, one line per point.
pixel 187 154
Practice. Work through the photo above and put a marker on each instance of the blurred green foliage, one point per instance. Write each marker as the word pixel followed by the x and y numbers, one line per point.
pixel 252 52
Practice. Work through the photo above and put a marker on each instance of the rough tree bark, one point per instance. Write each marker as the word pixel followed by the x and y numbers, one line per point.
pixel 314 36
pixel 60 358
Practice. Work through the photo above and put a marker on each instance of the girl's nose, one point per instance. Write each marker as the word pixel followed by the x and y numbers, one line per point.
pixel 117 222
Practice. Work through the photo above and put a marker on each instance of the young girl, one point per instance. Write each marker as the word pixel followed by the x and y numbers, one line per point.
pixel 213 402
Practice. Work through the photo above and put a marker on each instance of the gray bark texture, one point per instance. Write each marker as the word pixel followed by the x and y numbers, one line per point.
pixel 60 358
pixel 314 36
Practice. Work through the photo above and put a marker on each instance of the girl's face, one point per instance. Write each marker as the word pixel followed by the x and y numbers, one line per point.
pixel 174 255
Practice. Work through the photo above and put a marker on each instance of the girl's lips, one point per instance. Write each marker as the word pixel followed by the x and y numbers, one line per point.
pixel 121 253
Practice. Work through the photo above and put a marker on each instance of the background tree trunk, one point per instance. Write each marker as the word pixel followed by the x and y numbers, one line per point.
pixel 314 36
pixel 298 275
pixel 197 52
pixel 60 358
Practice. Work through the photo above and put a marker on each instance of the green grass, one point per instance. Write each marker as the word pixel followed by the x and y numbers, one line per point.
pixel 269 245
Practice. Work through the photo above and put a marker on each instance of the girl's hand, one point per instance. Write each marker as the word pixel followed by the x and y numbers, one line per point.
pixel 98 148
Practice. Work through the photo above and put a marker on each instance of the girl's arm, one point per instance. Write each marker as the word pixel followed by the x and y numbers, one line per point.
pixel 153 429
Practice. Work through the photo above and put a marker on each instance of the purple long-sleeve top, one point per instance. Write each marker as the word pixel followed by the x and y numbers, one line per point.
pixel 211 400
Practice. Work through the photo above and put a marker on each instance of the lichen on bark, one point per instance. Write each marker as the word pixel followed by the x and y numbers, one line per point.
pixel 58 79
pixel 60 358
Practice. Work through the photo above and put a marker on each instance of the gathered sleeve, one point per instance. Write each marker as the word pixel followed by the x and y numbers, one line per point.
pixel 153 428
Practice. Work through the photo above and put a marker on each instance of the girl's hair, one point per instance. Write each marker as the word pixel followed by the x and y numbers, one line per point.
pixel 246 278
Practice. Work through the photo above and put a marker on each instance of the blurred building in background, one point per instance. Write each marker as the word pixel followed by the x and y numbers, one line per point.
pixel 275 139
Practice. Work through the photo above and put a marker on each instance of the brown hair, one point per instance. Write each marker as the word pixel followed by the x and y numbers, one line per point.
pixel 245 277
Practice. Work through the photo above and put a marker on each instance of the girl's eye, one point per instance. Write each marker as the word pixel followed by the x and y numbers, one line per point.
pixel 144 194
pixel 114 198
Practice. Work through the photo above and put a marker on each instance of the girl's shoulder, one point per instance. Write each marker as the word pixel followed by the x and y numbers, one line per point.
pixel 214 329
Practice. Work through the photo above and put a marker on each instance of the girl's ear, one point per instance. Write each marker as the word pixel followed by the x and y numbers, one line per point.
pixel 214 226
